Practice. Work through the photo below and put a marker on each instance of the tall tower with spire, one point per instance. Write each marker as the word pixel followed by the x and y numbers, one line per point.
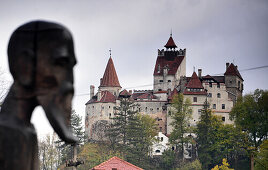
pixel 170 66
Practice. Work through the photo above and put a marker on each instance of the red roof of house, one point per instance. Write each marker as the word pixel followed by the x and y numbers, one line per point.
pixel 147 96
pixel 172 64
pixel 174 92
pixel 232 70
pixel 108 97
pixel 194 82
pixel 170 43
pixel 116 163
pixel 124 93
pixel 110 78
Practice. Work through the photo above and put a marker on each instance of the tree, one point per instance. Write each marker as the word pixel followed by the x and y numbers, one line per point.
pixel 3 86
pixel 67 150
pixel 180 113
pixel 141 131
pixel 117 132
pixel 206 138
pixel 251 114
pixel 224 166
pixel 48 153
pixel 261 161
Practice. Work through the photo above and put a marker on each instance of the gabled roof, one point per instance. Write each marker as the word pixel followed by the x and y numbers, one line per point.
pixel 124 93
pixel 117 163
pixel 110 78
pixel 171 64
pixel 170 43
pixel 173 93
pixel 194 82
pixel 232 70
pixel 108 97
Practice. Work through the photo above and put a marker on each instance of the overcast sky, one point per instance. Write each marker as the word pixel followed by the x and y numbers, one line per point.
pixel 213 33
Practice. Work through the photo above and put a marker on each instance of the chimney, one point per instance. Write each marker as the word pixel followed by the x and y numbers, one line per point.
pixel 227 65
pixel 100 81
pixel 236 66
pixel 199 73
pixel 91 91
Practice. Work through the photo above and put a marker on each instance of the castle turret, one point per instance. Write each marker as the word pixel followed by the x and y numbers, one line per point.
pixel 170 66
pixel 233 81
pixel 110 80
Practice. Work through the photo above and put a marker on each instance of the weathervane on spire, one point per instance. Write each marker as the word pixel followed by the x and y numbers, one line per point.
pixel 110 52
pixel 171 33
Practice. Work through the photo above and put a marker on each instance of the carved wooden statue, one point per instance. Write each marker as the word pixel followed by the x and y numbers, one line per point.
pixel 41 60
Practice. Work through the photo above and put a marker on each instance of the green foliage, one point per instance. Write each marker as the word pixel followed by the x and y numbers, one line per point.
pixel 93 154
pixel 117 132
pixel 195 165
pixel 180 113
pixel 261 160
pixel 217 141
pixel 168 159
pixel 65 150
pixel 251 114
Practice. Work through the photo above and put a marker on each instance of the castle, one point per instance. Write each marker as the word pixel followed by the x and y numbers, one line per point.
pixel 169 79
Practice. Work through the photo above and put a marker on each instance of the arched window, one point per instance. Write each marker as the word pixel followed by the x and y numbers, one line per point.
pixel 219 95
pixel 157 151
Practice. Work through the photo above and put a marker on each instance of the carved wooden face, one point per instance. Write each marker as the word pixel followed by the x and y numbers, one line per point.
pixel 41 58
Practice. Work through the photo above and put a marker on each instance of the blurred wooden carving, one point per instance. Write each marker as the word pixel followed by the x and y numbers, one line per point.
pixel 41 60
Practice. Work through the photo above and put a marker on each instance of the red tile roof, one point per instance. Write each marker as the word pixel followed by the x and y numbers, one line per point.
pixel 108 97
pixel 147 96
pixel 116 163
pixel 174 92
pixel 110 78
pixel 232 70
pixel 124 93
pixel 170 43
pixel 172 64
pixel 194 82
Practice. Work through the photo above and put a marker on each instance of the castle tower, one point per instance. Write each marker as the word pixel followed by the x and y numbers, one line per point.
pixel 170 66
pixel 233 82
pixel 109 81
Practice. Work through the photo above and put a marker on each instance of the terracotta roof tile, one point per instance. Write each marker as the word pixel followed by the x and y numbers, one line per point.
pixel 194 82
pixel 172 64
pixel 115 161
pixel 170 43
pixel 147 96
pixel 108 97
pixel 232 70
pixel 110 78
pixel 174 92
pixel 124 93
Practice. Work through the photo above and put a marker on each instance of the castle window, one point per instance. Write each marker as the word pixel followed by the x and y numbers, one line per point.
pixel 199 111
pixel 223 106
pixel 159 89
pixel 219 95
pixel 139 109
pixel 157 109
pixel 145 109
pixel 157 151
pixel 195 99
pixel 102 107
pixel 210 84
pixel 214 106
pixel 209 95
pixel 162 139
pixel 110 114
pixel 223 119
pixel 230 81
pixel 109 107
pixel 160 129
pixel 160 81
pixel 169 80
pixel 93 107
pixel 218 85
pixel 158 68
pixel 238 84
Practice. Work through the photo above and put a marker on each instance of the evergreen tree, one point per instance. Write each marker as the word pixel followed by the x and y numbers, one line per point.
pixel 181 114
pixel 66 150
pixel 124 113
